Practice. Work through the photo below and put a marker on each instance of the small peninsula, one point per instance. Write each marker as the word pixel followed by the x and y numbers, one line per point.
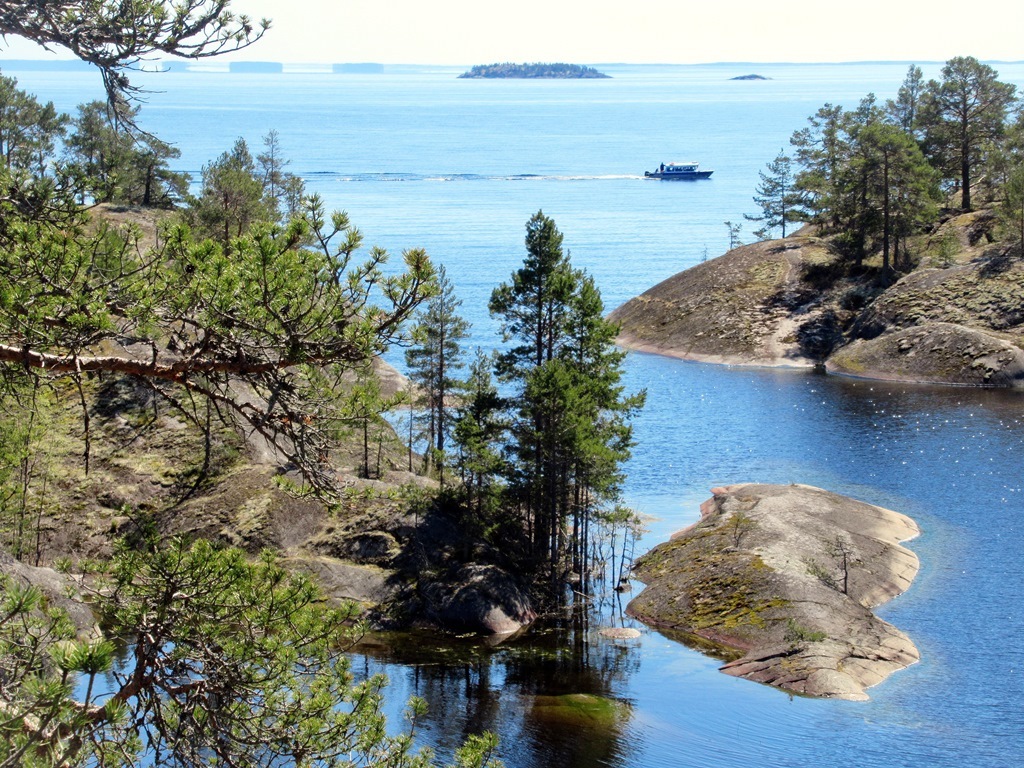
pixel 556 71
pixel 780 580
pixel 911 275
pixel 796 302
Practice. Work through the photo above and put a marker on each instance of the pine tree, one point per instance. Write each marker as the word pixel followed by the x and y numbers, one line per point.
pixel 119 167
pixel 232 198
pixel 116 36
pixel 233 662
pixel 899 185
pixel 904 110
pixel 479 432
pixel 283 190
pixel 1011 210
pixel 434 360
pixel 820 150
pixel 570 422
pixel 774 197
pixel 29 129
pixel 963 115
pixel 734 234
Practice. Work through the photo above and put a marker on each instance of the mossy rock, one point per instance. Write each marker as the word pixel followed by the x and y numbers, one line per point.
pixel 736 308
pixel 780 580
pixel 581 709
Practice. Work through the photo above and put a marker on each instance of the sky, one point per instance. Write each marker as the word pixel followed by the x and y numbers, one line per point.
pixel 464 32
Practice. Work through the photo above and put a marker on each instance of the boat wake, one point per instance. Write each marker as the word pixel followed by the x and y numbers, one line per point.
pixel 436 177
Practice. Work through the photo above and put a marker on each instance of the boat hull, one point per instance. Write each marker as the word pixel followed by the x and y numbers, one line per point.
pixel 694 176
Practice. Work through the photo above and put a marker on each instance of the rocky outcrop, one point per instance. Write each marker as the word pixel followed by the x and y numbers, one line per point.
pixel 481 599
pixel 781 581
pixel 59 591
pixel 938 353
pixel 794 302
pixel 737 309
pixel 986 294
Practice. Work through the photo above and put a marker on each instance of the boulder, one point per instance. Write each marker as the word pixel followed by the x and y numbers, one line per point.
pixel 780 580
pixel 368 585
pixel 936 353
pixel 479 599
pixel 60 592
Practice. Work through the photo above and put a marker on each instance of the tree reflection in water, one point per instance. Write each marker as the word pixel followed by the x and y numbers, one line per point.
pixel 553 693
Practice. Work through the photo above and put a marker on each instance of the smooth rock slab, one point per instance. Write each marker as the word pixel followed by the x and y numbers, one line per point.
pixel 781 580
pixel 619 633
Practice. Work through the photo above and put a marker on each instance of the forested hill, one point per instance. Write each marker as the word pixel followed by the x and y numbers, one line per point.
pixel 538 70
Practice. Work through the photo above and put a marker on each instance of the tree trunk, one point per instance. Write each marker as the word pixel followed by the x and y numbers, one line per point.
pixel 965 175
pixel 885 216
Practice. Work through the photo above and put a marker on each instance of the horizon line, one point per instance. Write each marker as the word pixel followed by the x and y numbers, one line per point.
pixel 224 63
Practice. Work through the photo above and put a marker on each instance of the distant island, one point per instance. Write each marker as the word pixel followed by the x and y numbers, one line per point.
pixel 750 77
pixel 537 70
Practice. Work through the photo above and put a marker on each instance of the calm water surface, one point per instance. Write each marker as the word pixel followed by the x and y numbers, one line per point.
pixel 419 158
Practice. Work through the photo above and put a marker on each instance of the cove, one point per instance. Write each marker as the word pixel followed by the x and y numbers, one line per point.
pixel 949 458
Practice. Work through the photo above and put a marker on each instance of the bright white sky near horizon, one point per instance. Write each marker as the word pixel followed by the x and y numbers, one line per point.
pixel 462 32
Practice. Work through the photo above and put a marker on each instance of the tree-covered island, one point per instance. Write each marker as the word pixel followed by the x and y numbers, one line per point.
pixel 556 71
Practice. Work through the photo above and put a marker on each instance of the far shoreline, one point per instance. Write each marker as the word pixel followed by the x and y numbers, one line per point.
pixel 781 364
pixel 627 343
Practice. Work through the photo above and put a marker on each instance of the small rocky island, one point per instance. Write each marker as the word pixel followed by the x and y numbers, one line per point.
pixel 750 77
pixel 557 71
pixel 780 582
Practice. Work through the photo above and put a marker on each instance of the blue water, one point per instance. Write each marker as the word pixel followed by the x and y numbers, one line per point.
pixel 419 158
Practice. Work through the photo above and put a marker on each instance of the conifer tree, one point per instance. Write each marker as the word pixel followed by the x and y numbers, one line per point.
pixel 434 361
pixel 29 129
pixel 774 197
pixel 899 184
pixel 118 167
pixel 115 36
pixel 479 432
pixel 820 150
pixel 232 197
pixel 232 662
pixel 905 109
pixel 963 115
pixel 1011 210
pixel 570 422
pixel 283 190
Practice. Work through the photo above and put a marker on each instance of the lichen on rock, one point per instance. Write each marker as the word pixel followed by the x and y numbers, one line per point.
pixel 781 581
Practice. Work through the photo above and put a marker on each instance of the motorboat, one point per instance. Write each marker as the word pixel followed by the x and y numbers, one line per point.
pixel 687 171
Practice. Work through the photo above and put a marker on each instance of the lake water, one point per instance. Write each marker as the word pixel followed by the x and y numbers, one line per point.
pixel 420 158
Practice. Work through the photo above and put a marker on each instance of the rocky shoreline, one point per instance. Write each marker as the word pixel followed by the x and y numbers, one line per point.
pixel 796 303
pixel 780 581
